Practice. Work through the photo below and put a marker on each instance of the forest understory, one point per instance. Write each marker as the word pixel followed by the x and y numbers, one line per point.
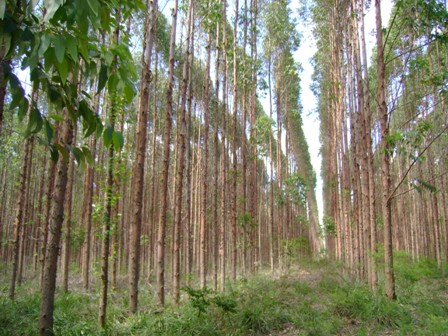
pixel 311 298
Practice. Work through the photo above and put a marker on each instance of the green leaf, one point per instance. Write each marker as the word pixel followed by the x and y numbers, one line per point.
pixel 99 127
pixel 50 59
pixel 45 41
pixel 6 42
pixel 56 117
pixel 23 108
pixel 52 6
pixel 83 49
pixel 49 131
pixel 94 6
pixel 59 47
pixel 91 127
pixel 2 9
pixel 107 136
pixel 112 85
pixel 72 48
pixel 129 92
pixel 78 154
pixel 54 153
pixel 102 77
pixel 63 150
pixel 88 155
pixel 63 70
pixel 35 122
pixel 118 140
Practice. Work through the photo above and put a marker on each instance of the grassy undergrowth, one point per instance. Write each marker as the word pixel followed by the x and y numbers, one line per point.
pixel 315 299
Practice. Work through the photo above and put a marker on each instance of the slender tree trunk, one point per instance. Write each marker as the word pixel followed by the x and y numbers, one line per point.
pixel 138 169
pixel 385 157
pixel 188 185
pixel 222 243
pixel 253 139
pixel 182 139
pixel 204 222
pixel 67 221
pixel 271 176
pixel 106 230
pixel 234 144
pixel 166 161
pixel 87 216
pixel 215 226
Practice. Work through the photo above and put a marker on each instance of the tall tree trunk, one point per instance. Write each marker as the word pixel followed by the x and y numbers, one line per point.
pixel 234 145
pixel 182 138
pixel 385 157
pixel 373 278
pixel 224 169
pixel 253 139
pixel 107 224
pixel 188 184
pixel 166 161
pixel 215 226
pixel 204 222
pixel 54 237
pixel 138 169
pixel 67 221
pixel 87 216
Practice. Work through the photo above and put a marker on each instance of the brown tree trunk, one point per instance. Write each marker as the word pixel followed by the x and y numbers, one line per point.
pixel 385 157
pixel 166 162
pixel 67 221
pixel 87 216
pixel 224 169
pixel 182 139
pixel 234 145
pixel 204 222
pixel 55 228
pixel 138 169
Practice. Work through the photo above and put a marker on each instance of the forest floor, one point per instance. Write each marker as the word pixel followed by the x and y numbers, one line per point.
pixel 311 298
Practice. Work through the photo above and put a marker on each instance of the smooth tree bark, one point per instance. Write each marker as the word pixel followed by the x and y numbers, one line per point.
pixel 88 186
pixel 215 224
pixel 224 164
pixel 140 149
pixel 385 157
pixel 161 235
pixel 204 197
pixel 234 145
pixel 68 221
pixel 253 142
pixel 182 139
pixel 115 107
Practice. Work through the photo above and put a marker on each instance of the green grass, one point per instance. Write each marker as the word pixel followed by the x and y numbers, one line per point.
pixel 321 302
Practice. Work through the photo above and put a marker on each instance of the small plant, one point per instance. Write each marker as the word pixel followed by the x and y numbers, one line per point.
pixel 200 299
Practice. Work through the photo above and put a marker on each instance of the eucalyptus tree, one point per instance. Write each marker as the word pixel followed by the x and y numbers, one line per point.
pixel 234 250
pixel 161 236
pixel 385 159
pixel 182 139
pixel 140 153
